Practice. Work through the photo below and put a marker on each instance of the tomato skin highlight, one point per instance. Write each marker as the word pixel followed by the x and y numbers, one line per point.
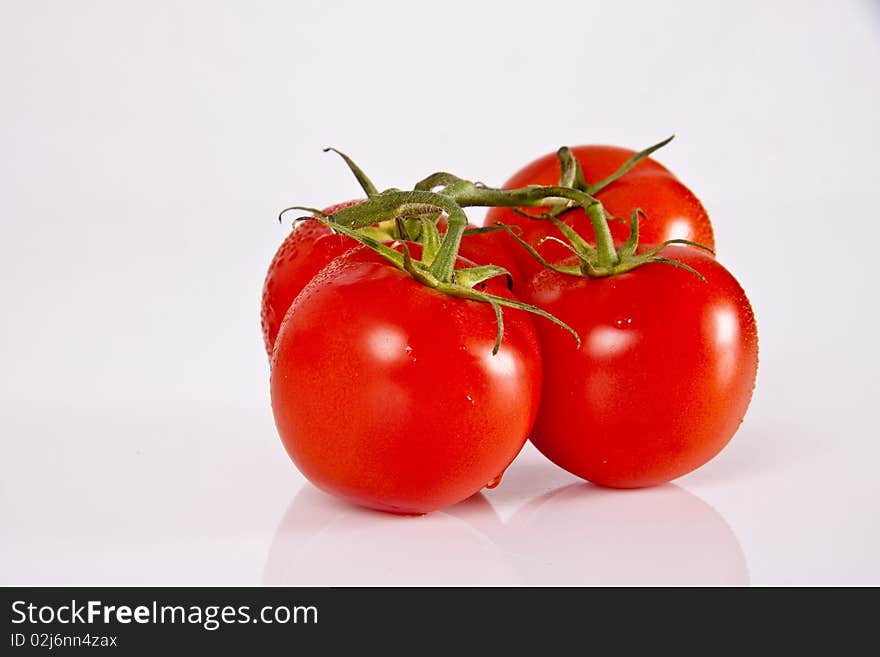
pixel 662 379
pixel 672 211
pixel 385 392
pixel 306 250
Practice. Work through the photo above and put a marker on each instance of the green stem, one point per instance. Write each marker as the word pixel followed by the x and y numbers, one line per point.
pixel 536 196
pixel 444 264
pixel 462 287
pixel 391 204
pixel 606 254
pixel 456 194
pixel 396 214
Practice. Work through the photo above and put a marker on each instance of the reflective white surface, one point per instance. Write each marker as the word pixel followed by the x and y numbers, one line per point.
pixel 207 496
pixel 146 149
pixel 572 535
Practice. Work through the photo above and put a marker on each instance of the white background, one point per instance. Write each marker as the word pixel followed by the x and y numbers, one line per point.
pixel 146 147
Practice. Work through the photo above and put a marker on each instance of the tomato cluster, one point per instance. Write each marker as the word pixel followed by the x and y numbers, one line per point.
pixel 412 357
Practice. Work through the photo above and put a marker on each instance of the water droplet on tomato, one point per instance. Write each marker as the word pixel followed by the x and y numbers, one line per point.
pixel 469 398
pixel 623 322
pixel 495 481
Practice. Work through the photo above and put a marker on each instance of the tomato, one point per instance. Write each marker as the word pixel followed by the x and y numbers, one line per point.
pixel 308 248
pixel 386 393
pixel 671 210
pixel 662 379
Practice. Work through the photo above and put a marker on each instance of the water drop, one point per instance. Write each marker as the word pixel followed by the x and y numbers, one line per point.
pixel 495 481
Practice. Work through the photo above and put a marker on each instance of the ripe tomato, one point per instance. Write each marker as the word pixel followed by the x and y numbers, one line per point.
pixel 671 210
pixel 386 393
pixel 308 248
pixel 662 379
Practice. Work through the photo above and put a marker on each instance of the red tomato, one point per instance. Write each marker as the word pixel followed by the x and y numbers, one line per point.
pixel 671 209
pixel 308 248
pixel 386 392
pixel 662 379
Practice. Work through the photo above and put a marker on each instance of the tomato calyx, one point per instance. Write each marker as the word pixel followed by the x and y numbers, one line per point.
pixel 603 259
pixel 461 283
pixel 412 216
pixel 571 175
pixel 405 226
pixel 594 263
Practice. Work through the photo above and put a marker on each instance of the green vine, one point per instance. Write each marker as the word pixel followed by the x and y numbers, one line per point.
pixel 412 215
